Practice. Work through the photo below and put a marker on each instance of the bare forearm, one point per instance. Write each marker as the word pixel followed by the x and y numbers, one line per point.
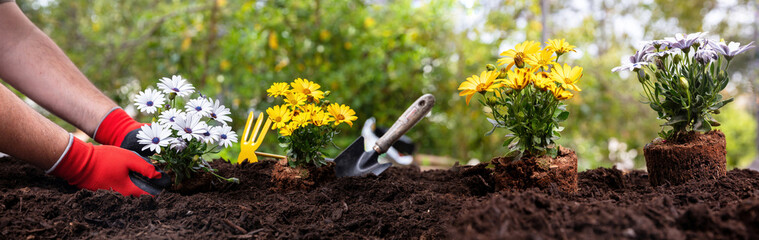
pixel 32 63
pixel 27 135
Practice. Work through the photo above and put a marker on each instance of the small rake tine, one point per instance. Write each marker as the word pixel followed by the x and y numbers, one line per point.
pixel 246 133
pixel 257 142
pixel 258 128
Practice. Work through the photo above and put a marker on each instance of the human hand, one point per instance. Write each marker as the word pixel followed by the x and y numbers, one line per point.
pixel 108 167
pixel 119 129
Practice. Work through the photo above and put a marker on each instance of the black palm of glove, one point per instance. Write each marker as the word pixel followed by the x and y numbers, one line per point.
pixel 130 142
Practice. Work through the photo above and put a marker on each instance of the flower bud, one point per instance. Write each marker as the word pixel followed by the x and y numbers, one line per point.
pixel 172 95
pixel 642 77
pixel 683 83
pixel 519 61
pixel 677 59
pixel 491 101
pixel 502 74
pixel 490 67
pixel 327 93
pixel 659 63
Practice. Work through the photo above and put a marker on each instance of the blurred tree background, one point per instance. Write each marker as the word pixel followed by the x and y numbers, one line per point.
pixel 379 55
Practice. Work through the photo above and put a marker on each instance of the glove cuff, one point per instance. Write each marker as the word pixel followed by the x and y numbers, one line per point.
pixel 114 127
pixel 68 147
pixel 74 161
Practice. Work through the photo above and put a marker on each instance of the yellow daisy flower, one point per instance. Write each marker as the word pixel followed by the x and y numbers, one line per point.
pixel 288 130
pixel 567 76
pixel 519 54
pixel 308 88
pixel 278 89
pixel 301 119
pixel 279 116
pixel 543 81
pixel 295 99
pixel 519 79
pixel 559 93
pixel 542 58
pixel 341 114
pixel 486 82
pixel 320 118
pixel 559 46
pixel 310 109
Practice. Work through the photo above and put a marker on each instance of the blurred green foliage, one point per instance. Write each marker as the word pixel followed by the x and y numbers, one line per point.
pixel 377 57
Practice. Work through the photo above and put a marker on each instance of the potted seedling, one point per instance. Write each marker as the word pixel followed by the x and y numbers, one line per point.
pixel 526 97
pixel 682 78
pixel 183 131
pixel 306 123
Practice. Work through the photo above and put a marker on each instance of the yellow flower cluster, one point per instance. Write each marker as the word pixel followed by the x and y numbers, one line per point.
pixel 533 66
pixel 302 107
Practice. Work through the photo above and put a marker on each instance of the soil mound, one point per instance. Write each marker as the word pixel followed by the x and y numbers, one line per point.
pixel 402 203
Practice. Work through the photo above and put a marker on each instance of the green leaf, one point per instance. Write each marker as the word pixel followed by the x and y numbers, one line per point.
pixel 495 125
pixel 655 107
pixel 702 126
pixel 720 104
pixel 563 116
pixel 675 120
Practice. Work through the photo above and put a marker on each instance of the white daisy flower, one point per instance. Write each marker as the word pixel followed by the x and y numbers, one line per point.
pixel 149 100
pixel 176 84
pixel 154 136
pixel 219 112
pixel 226 136
pixel 190 126
pixel 199 106
pixel 211 136
pixel 178 144
pixel 168 117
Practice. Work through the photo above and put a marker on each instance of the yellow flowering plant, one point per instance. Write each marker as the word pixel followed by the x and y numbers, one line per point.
pixel 526 95
pixel 305 121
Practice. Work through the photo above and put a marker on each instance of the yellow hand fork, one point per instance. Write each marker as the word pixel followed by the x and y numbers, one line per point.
pixel 248 146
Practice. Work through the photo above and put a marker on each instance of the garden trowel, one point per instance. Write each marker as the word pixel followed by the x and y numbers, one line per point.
pixel 355 161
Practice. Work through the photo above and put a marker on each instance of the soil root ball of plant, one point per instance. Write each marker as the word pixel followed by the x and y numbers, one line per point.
pixel 693 156
pixel 541 172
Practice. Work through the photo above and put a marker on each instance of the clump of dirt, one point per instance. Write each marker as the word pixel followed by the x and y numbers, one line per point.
pixel 538 171
pixel 286 178
pixel 402 203
pixel 692 156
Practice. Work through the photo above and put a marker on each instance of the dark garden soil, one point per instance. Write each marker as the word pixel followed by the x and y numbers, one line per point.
pixel 401 203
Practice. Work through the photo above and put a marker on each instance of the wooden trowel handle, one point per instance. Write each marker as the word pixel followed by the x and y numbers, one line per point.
pixel 408 119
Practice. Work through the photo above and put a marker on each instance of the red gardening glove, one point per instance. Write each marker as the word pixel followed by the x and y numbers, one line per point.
pixel 119 129
pixel 107 167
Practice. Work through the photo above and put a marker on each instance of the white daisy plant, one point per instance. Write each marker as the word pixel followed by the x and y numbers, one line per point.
pixel 149 101
pixel 226 136
pixel 211 135
pixel 154 137
pixel 183 130
pixel 190 126
pixel 219 113
pixel 176 85
pixel 199 105
pixel 168 117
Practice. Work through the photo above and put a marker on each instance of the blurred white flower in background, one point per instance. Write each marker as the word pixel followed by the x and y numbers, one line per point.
pixel 622 158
